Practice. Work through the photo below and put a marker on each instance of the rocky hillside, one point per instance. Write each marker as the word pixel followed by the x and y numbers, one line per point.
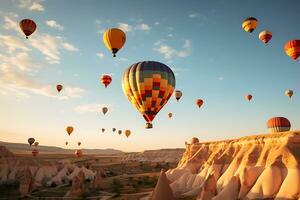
pixel 255 167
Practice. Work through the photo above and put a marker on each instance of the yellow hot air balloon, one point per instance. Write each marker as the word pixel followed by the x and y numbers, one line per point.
pixel 148 86
pixel 127 133
pixel 114 39
pixel 69 130
pixel 249 24
pixel 289 93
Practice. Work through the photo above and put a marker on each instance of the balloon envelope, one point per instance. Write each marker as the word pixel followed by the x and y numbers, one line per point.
pixel 106 80
pixel 170 115
pixel 199 102
pixel 78 153
pixel 249 24
pixel 278 124
pixel 127 133
pixel 31 141
pixel 177 95
pixel 292 49
pixel 265 36
pixel 35 152
pixel 248 97
pixel 104 110
pixel 59 88
pixel 69 130
pixel 289 93
pixel 28 27
pixel 114 39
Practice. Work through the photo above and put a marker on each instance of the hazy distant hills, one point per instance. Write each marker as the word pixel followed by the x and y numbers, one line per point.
pixel 19 148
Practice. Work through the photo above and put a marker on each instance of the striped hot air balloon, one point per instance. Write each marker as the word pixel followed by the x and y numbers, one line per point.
pixel 114 39
pixel 35 152
pixel 148 86
pixel 28 27
pixel 278 124
pixel 292 49
pixel 106 80
pixel 249 24
pixel 265 36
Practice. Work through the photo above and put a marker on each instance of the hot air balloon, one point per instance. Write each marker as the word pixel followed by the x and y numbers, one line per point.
pixel 265 36
pixel 289 93
pixel 36 144
pixel 78 153
pixel 278 124
pixel 249 24
pixel 292 49
pixel 28 26
pixel 106 80
pixel 127 133
pixel 148 86
pixel 114 129
pixel 66 143
pixel 69 130
pixel 31 141
pixel 114 39
pixel 199 102
pixel 59 88
pixel 103 129
pixel 79 143
pixel 170 115
pixel 177 94
pixel 248 97
pixel 119 132
pixel 104 110
pixel 35 152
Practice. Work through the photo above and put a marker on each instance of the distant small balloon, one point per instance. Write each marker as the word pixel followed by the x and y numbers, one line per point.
pixel 199 102
pixel 248 97
pixel 119 132
pixel 289 93
pixel 265 36
pixel 28 27
pixel 69 130
pixel 59 88
pixel 106 80
pixel 78 153
pixel 66 143
pixel 114 129
pixel 103 129
pixel 31 141
pixel 177 94
pixel 36 144
pixel 127 133
pixel 170 115
pixel 35 152
pixel 104 110
pixel 79 143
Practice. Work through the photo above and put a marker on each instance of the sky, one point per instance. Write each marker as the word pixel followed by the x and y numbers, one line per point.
pixel 212 57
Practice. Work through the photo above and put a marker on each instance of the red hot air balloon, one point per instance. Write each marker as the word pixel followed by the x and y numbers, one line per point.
pixel 292 49
pixel 59 88
pixel 278 124
pixel 35 152
pixel 248 97
pixel 106 80
pixel 28 26
pixel 265 36
pixel 199 102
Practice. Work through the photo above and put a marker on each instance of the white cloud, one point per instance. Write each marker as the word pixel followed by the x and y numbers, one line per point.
pixel 125 27
pixel 169 52
pixel 69 46
pixel 100 55
pixel 220 78
pixel 10 24
pixel 92 108
pixel 21 61
pixel 54 24
pixel 12 43
pixel 170 35
pixel 193 15
pixel 156 23
pixel 143 27
pixel 31 5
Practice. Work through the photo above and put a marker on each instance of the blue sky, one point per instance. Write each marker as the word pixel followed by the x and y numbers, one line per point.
pixel 202 41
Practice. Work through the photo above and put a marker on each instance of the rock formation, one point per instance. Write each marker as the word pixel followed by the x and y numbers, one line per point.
pixel 26 181
pixel 254 167
pixel 78 186
pixel 97 182
pixel 162 189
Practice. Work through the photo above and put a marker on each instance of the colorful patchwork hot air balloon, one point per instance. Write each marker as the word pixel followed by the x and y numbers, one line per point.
pixel 59 88
pixel 289 93
pixel 31 141
pixel 177 94
pixel 28 26
pixel 148 86
pixel 265 36
pixel 104 110
pixel 127 133
pixel 249 24
pixel 78 153
pixel 114 39
pixel 292 49
pixel 170 115
pixel 248 97
pixel 35 152
pixel 69 130
pixel 199 102
pixel 278 124
pixel 106 80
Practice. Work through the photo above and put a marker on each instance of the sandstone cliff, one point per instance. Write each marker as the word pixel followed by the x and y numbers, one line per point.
pixel 254 167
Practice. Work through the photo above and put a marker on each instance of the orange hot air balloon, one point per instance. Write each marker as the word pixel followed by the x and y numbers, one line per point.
pixel 35 152
pixel 59 88
pixel 106 80
pixel 170 115
pixel 119 132
pixel 66 143
pixel 69 130
pixel 199 102
pixel 103 129
pixel 79 143
pixel 248 97
pixel 148 86
pixel 292 49
pixel 78 153
pixel 127 133
pixel 31 141
pixel 265 36
pixel 104 110
pixel 177 95
pixel 278 124
pixel 289 93
pixel 114 39
pixel 28 26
